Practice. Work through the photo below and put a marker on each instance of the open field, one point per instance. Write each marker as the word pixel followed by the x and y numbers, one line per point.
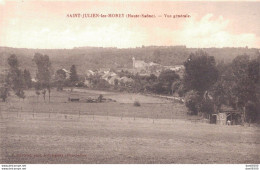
pixel 151 107
pixel 156 132
pixel 114 140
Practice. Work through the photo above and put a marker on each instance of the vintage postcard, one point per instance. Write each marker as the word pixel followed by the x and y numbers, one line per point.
pixel 129 82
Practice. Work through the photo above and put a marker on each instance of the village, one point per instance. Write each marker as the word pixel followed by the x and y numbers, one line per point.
pixel 129 82
pixel 226 116
pixel 141 107
pixel 141 78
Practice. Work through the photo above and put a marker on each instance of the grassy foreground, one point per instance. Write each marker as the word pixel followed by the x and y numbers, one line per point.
pixel 100 134
pixel 112 140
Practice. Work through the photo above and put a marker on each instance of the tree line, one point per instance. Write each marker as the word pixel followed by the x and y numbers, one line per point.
pixel 206 85
pixel 17 80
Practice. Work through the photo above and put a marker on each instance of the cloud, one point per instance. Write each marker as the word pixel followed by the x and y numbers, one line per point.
pixel 211 32
pixel 112 35
pixel 2 2
pixel 198 32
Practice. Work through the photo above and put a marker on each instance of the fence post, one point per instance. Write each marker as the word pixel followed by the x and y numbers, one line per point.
pixel 93 115
pixel 21 112
pixel 153 117
pixel 79 113
pixel 107 115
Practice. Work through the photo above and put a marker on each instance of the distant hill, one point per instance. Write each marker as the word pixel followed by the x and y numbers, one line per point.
pixel 97 57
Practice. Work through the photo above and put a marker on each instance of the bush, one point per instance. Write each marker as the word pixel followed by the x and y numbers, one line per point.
pixel 192 101
pixel 3 93
pixel 207 106
pixel 137 103
pixel 251 112
pixel 100 98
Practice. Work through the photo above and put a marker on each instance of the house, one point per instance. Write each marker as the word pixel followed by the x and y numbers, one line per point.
pixel 107 75
pixel 126 80
pixel 175 68
pixel 226 114
pixel 34 80
pixel 139 64
pixel 90 73
pixel 141 67
pixel 102 71
pixel 153 64
pixel 112 79
pixel 67 73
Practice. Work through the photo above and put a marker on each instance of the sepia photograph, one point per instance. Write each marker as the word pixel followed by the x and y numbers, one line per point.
pixel 129 82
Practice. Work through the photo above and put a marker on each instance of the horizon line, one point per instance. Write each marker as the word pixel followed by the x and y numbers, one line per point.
pixel 143 46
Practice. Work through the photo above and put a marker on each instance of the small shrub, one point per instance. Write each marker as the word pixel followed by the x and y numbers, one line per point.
pixel 137 103
pixel 100 98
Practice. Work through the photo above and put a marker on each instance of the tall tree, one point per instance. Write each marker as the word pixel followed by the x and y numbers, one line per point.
pixel 200 72
pixel 245 76
pixel 15 77
pixel 166 79
pixel 200 75
pixel 246 82
pixel 60 78
pixel 73 75
pixel 4 92
pixel 27 78
pixel 43 74
pixel 238 86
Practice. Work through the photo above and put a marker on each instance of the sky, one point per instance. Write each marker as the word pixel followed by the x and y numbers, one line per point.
pixel 45 24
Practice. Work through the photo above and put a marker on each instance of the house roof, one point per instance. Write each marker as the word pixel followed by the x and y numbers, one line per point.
pixel 66 71
pixel 225 108
pixel 125 79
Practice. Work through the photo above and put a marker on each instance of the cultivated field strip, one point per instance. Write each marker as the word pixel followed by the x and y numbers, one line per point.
pixel 114 140
pixel 123 112
pixel 71 116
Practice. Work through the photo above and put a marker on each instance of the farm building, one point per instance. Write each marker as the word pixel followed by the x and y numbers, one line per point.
pixel 221 118
pixel 226 115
